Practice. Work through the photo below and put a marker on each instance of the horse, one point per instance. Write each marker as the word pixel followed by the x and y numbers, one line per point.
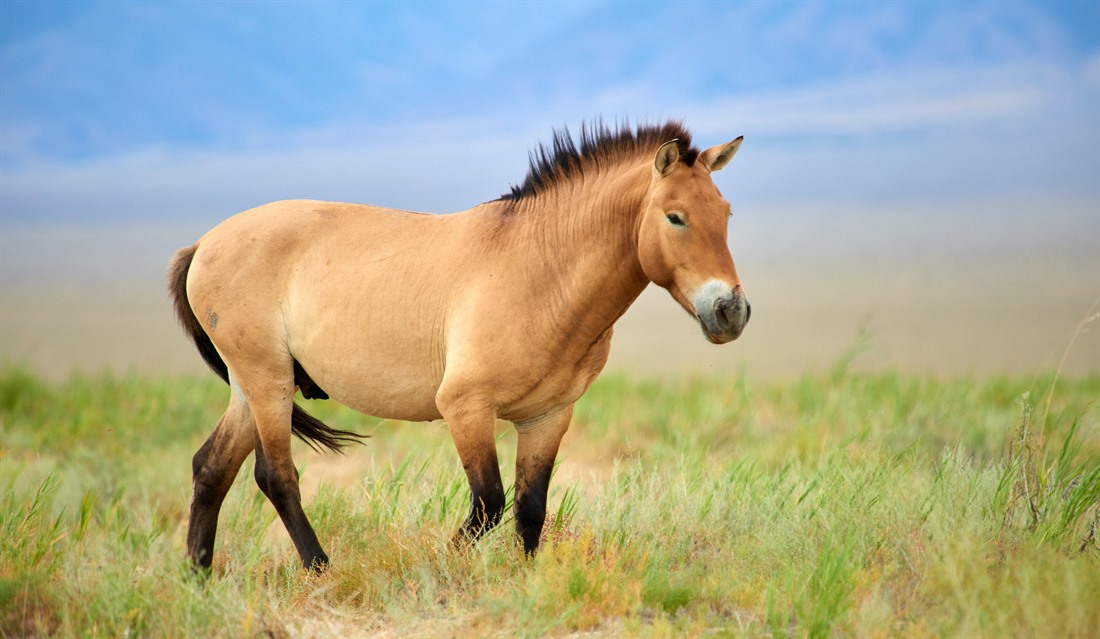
pixel 502 311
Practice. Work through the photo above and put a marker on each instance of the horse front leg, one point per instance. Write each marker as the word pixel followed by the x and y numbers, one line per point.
pixel 536 451
pixel 471 424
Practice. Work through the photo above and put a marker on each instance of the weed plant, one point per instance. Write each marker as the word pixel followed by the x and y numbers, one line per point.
pixel 836 505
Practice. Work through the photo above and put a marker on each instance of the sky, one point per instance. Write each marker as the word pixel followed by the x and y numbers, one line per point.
pixel 928 169
pixel 153 111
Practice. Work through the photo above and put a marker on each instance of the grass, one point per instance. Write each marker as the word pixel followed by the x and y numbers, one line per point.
pixel 839 505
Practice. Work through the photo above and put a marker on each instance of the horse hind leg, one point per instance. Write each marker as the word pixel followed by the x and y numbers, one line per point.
pixel 276 475
pixel 213 468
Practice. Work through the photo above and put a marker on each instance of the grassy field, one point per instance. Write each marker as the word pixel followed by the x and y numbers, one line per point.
pixel 837 505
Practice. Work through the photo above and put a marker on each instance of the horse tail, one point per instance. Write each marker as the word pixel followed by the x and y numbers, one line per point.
pixel 305 426
pixel 319 434
pixel 177 288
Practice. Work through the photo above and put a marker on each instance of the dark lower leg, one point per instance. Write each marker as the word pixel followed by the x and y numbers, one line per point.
pixel 486 505
pixel 213 468
pixel 536 450
pixel 471 424
pixel 280 486
pixel 532 486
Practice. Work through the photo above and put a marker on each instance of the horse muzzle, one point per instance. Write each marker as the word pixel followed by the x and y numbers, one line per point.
pixel 722 314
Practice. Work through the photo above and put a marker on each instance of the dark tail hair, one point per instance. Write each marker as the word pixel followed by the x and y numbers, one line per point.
pixel 305 426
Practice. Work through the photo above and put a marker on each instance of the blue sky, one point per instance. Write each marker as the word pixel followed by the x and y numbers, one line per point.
pixel 144 111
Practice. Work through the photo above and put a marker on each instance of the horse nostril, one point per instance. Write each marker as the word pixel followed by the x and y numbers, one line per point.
pixel 722 308
pixel 748 311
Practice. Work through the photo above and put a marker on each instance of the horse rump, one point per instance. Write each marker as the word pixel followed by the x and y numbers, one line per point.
pixel 305 426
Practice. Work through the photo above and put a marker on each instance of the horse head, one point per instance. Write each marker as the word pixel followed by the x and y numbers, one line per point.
pixel 682 239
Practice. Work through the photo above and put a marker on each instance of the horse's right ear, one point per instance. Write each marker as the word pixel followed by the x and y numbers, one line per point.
pixel 666 158
pixel 719 156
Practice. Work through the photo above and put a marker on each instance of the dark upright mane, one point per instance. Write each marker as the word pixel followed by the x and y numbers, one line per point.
pixel 564 160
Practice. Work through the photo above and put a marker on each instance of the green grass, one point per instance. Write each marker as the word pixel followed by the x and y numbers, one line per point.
pixel 839 505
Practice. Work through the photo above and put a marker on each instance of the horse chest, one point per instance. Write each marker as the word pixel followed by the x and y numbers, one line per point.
pixel 562 385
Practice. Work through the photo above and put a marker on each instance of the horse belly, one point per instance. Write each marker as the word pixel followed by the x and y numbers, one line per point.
pixel 380 363
pixel 381 376
pixel 413 402
pixel 367 325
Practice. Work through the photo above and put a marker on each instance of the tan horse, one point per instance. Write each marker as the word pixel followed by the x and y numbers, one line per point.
pixel 501 311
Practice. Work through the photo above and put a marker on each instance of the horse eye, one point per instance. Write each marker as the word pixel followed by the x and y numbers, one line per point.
pixel 675 219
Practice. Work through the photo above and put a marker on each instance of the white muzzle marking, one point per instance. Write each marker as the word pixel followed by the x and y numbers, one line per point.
pixel 722 310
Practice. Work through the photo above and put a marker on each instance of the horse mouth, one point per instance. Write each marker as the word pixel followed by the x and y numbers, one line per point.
pixel 719 337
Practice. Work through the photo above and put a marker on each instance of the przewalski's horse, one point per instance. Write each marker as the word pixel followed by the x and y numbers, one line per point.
pixel 501 311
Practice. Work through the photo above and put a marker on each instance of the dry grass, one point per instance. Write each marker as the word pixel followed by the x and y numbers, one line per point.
pixel 835 505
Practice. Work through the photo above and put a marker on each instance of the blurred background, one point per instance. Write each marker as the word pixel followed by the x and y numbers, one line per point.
pixel 919 187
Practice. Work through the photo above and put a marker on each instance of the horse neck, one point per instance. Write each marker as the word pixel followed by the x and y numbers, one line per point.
pixel 585 240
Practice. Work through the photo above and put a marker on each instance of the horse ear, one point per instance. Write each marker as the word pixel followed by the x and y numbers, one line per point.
pixel 666 158
pixel 719 156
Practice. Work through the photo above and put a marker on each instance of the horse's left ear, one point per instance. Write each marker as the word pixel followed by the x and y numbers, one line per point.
pixel 719 156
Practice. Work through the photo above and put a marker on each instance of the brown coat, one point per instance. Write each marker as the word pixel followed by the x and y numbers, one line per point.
pixel 501 311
